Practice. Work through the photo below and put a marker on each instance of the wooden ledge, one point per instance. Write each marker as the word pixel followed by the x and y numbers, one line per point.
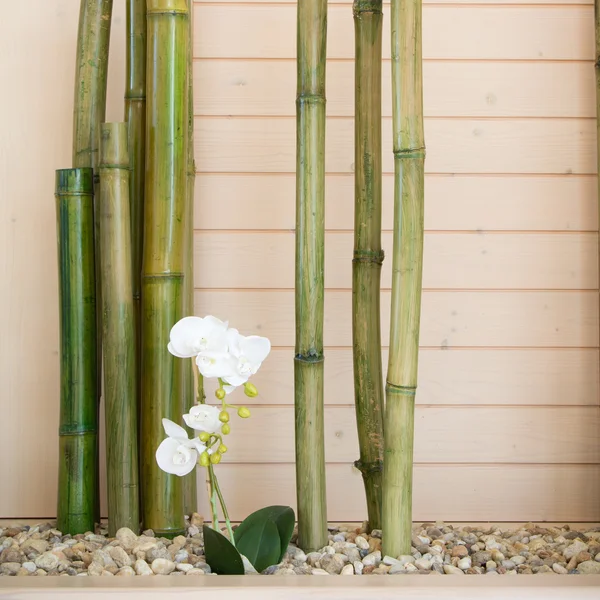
pixel 404 587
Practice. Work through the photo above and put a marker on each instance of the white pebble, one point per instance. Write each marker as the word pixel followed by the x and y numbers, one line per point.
pixel 319 572
pixel 557 568
pixel 464 563
pixel 518 560
pixel 347 570
pixel 423 564
pixel 30 566
pixel 450 570
pixel 410 568
pixel 358 567
pixel 141 567
pixel 361 542
pixel 185 567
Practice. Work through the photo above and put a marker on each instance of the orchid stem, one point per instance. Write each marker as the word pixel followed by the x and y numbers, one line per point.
pixel 215 483
pixel 200 387
pixel 213 497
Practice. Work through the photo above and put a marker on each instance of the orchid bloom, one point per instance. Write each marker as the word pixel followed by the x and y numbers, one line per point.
pixel 192 335
pixel 177 454
pixel 247 354
pixel 203 417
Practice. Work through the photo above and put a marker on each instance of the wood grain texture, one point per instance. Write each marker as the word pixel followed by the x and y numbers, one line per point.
pixel 443 434
pixel 487 261
pixel 451 89
pixel 478 492
pixel 454 203
pixel 449 319
pixel 564 146
pixel 478 377
pixel 478 32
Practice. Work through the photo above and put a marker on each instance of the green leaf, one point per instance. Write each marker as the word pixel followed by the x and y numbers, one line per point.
pixel 221 555
pixel 260 544
pixel 282 516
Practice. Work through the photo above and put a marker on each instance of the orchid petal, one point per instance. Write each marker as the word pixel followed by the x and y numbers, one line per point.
pixel 173 430
pixel 184 335
pixel 255 348
pixel 172 459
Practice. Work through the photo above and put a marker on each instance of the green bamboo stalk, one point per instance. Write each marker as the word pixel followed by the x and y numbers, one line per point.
pixel 190 492
pixel 135 115
pixel 310 241
pixel 89 109
pixel 120 381
pixel 407 269
pixel 78 429
pixel 163 264
pixel 368 255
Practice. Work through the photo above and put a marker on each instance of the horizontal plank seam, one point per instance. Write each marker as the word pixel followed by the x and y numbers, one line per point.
pixel 469 232
pixel 439 59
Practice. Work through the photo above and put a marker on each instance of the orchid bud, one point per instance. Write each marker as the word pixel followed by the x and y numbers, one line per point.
pixel 224 416
pixel 204 437
pixel 250 390
pixel 243 412
pixel 220 394
pixel 222 449
pixel 204 459
pixel 225 430
pixel 215 458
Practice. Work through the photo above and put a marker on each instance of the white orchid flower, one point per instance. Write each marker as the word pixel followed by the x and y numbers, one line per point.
pixel 247 355
pixel 192 335
pixel 204 417
pixel 178 454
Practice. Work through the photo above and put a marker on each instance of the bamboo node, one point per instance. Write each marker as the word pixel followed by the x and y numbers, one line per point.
pixel 369 468
pixel 361 7
pixel 400 390
pixel 410 153
pixel 369 256
pixel 307 98
pixel 309 358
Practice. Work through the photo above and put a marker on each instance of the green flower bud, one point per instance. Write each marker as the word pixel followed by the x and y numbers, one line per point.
pixel 225 429
pixel 204 459
pixel 224 416
pixel 220 394
pixel 250 390
pixel 222 449
pixel 243 412
pixel 215 458
pixel 204 437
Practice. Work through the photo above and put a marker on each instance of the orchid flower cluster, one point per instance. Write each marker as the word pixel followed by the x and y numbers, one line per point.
pixel 220 353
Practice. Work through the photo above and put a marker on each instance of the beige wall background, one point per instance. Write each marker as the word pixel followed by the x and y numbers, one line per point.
pixel 508 407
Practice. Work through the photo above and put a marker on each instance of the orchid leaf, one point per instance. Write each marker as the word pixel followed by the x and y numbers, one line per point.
pixel 221 555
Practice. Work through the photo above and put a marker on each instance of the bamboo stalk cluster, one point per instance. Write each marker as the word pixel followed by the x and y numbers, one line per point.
pixel 125 236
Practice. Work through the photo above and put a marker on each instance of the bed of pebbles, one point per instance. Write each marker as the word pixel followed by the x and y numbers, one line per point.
pixel 438 548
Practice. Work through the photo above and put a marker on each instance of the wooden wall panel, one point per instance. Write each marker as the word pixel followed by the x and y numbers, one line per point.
pixel 451 260
pixel 449 319
pixel 451 88
pixel 488 32
pixel 454 203
pixel 509 380
pixel 560 146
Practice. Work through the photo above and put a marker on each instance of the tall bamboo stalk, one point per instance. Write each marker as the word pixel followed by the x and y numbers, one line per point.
pixel 190 492
pixel 407 269
pixel 89 109
pixel 310 242
pixel 368 255
pixel 164 241
pixel 135 115
pixel 78 430
pixel 120 374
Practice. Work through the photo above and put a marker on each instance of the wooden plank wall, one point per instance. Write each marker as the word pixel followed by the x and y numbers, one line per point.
pixel 508 407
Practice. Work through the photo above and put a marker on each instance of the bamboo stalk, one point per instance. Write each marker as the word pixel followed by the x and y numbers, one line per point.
pixel 368 255
pixel 190 492
pixel 135 115
pixel 120 381
pixel 407 269
pixel 78 429
pixel 310 241
pixel 89 109
pixel 164 239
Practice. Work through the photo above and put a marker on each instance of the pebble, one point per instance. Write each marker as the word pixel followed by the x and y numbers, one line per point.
pixel 162 566
pixel 141 567
pixel 450 570
pixel 437 548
